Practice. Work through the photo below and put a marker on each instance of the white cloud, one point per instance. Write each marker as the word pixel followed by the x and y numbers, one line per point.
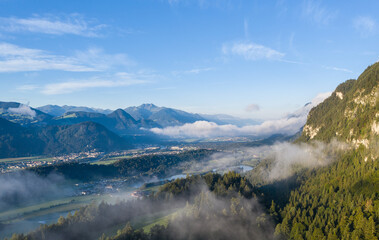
pixel 313 10
pixel 366 26
pixel 288 125
pixel 251 51
pixel 23 110
pixel 27 87
pixel 72 24
pixel 193 71
pixel 14 58
pixel 118 80
pixel 223 4
pixel 338 69
pixel 252 108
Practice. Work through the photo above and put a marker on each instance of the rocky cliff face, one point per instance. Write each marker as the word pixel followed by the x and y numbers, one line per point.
pixel 350 114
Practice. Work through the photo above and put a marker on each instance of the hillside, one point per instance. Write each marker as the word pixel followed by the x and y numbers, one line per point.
pixel 340 201
pixel 57 111
pixel 349 114
pixel 16 140
pixel 19 141
pixel 80 137
pixel 23 114
pixel 162 116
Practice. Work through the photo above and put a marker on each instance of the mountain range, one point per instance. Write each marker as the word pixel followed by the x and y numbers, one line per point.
pixel 53 129
pixel 161 116
pixel 324 185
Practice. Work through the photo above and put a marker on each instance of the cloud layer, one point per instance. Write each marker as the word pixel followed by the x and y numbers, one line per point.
pixel 72 24
pixel 314 11
pixel 251 51
pixel 288 125
pixel 14 58
pixel 365 25
pixel 252 108
pixel 74 86
pixel 23 110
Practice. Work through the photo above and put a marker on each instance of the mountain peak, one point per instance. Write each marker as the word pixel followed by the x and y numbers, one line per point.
pixel 349 114
pixel 148 106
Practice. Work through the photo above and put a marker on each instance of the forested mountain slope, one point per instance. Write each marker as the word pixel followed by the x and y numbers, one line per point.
pixel 340 201
pixel 18 141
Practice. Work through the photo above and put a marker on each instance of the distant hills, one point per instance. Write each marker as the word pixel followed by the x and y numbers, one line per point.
pixel 147 115
pixel 16 141
pixel 150 115
pixel 222 119
pixel 55 110
pixel 53 129
pixel 23 114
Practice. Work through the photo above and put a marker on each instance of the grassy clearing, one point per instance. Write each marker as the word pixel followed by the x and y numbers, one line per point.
pixel 50 207
pixel 152 219
pixel 110 160
pixel 160 221
pixel 24 159
pixel 104 162
pixel 145 222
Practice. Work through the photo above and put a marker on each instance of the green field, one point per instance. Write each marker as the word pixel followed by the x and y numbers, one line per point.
pixel 104 162
pixel 110 160
pixel 61 205
pixel 24 159
pixel 145 222
pixel 158 221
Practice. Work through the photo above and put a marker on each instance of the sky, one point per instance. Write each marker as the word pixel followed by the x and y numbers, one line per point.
pixel 252 59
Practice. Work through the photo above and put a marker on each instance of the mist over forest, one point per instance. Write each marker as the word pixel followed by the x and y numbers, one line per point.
pixel 189 120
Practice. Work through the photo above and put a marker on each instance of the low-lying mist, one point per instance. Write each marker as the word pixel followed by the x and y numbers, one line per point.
pixel 214 217
pixel 23 187
pixel 287 125
pixel 285 157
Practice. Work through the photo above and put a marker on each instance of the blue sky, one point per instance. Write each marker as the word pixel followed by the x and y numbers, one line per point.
pixel 255 59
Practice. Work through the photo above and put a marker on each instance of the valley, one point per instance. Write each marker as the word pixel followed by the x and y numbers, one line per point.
pixel 189 120
pixel 161 187
pixel 30 214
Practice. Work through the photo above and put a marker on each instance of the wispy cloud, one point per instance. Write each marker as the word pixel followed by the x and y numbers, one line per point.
pixel 74 86
pixel 14 58
pixel 288 125
pixel 313 10
pixel 193 71
pixel 27 87
pixel 120 79
pixel 251 51
pixel 366 26
pixel 252 108
pixel 73 24
pixel 338 69
pixel 223 4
